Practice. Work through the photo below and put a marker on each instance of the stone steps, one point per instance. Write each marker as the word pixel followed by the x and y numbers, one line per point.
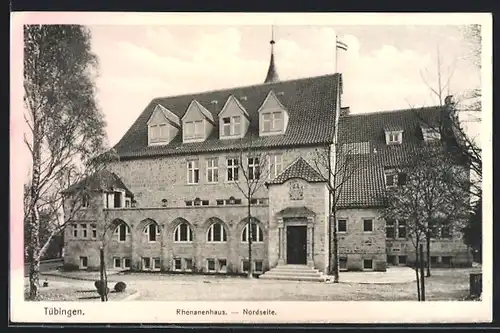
pixel 294 273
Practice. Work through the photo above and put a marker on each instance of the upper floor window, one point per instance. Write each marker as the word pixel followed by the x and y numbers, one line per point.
pixel 152 232
pixel 216 233
pixel 394 137
pixel 272 121
pixel 193 172
pixel 194 130
pixel 367 225
pixel 93 227
pixel 393 178
pixel 342 225
pixel 231 126
pixel 74 230
pixel 158 133
pixel 275 165
pixel 122 232
pixel 395 229
pixel 183 234
pixel 85 201
pixel 212 170
pixel 257 234
pixel 114 199
pixel 253 168
pixel 232 169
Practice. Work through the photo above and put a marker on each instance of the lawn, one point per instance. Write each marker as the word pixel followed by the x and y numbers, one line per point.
pixel 443 285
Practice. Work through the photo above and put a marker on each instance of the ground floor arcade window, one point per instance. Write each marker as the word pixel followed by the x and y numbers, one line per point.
pixel 343 263
pixel 83 262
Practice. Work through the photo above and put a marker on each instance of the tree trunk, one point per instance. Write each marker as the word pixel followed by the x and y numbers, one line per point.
pixel 428 254
pixel 416 271
pixel 101 271
pixel 250 235
pixel 34 224
pixel 422 279
pixel 335 248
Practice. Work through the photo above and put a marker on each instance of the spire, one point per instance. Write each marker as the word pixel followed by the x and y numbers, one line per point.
pixel 272 74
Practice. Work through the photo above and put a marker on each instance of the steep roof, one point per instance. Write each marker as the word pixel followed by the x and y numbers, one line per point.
pixel 366 185
pixel 310 103
pixel 298 169
pixel 102 180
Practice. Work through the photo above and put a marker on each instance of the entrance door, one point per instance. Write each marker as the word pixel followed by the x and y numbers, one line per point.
pixel 296 245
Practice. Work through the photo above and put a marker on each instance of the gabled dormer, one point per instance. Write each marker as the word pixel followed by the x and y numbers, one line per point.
pixel 273 116
pixel 430 134
pixel 233 119
pixel 393 135
pixel 163 126
pixel 197 123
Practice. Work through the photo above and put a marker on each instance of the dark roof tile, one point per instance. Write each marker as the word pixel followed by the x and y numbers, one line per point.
pixel 298 169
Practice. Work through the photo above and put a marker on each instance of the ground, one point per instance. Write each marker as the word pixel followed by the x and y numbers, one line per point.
pixel 444 284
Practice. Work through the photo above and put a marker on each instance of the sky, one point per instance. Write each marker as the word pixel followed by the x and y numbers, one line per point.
pixel 384 68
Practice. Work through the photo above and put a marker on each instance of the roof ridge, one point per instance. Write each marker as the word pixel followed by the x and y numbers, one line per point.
pixel 242 87
pixel 389 111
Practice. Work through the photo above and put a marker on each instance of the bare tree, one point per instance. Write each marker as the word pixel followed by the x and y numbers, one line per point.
pixel 336 164
pixel 65 126
pixel 254 168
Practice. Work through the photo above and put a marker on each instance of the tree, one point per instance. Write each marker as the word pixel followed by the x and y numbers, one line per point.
pixel 473 234
pixel 336 164
pixel 428 198
pixel 253 168
pixel 65 126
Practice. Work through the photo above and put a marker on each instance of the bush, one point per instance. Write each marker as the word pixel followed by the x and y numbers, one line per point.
pixel 99 291
pixel 120 287
pixel 99 285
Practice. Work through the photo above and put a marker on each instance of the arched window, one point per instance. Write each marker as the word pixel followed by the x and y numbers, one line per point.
pixel 182 233
pixel 216 233
pixel 122 232
pixel 152 232
pixel 257 234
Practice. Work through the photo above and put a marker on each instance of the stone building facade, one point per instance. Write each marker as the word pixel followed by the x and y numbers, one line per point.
pixel 173 202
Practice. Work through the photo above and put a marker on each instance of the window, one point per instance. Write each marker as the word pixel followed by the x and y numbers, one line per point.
pixel 220 202
pixel 390 229
pixel 368 264
pixel 367 225
pixel 391 179
pixel 158 133
pixel 391 260
pixel 183 233
pixel 193 172
pixel 121 232
pixel 275 165
pixel 222 265
pixel 75 230
pixel 446 260
pixel 152 232
pixel 193 130
pixel 146 263
pixel 177 264
pixel 401 178
pixel 343 263
pixel 232 169
pixel 257 234
pixel 211 265
pixel 83 262
pixel 83 226
pixel 342 225
pixel 94 230
pixel 156 263
pixel 212 170
pixel 231 126
pixel 253 168
pixel 245 265
pixel 394 137
pixel 434 260
pixel 259 266
pixel 216 233
pixel 85 201
pixel 189 203
pixel 189 264
pixel 402 260
pixel 205 202
pixel 126 262
pixel 401 229
pixel 127 202
pixel 272 122
pixel 117 262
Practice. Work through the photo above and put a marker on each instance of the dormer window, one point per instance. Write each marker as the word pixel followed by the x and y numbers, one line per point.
pixel 273 117
pixel 393 137
pixel 272 122
pixel 158 133
pixel 231 126
pixel 194 130
pixel 431 134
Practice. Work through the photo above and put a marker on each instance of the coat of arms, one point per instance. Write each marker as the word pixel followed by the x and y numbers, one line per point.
pixel 296 191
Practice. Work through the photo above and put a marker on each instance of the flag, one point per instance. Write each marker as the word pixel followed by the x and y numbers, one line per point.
pixel 341 45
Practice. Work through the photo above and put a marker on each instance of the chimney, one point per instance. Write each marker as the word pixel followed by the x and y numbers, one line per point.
pixel 345 111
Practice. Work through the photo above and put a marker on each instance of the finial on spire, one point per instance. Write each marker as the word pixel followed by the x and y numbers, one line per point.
pixel 272 74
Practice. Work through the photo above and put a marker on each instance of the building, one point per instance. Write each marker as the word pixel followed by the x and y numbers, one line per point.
pixel 172 202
